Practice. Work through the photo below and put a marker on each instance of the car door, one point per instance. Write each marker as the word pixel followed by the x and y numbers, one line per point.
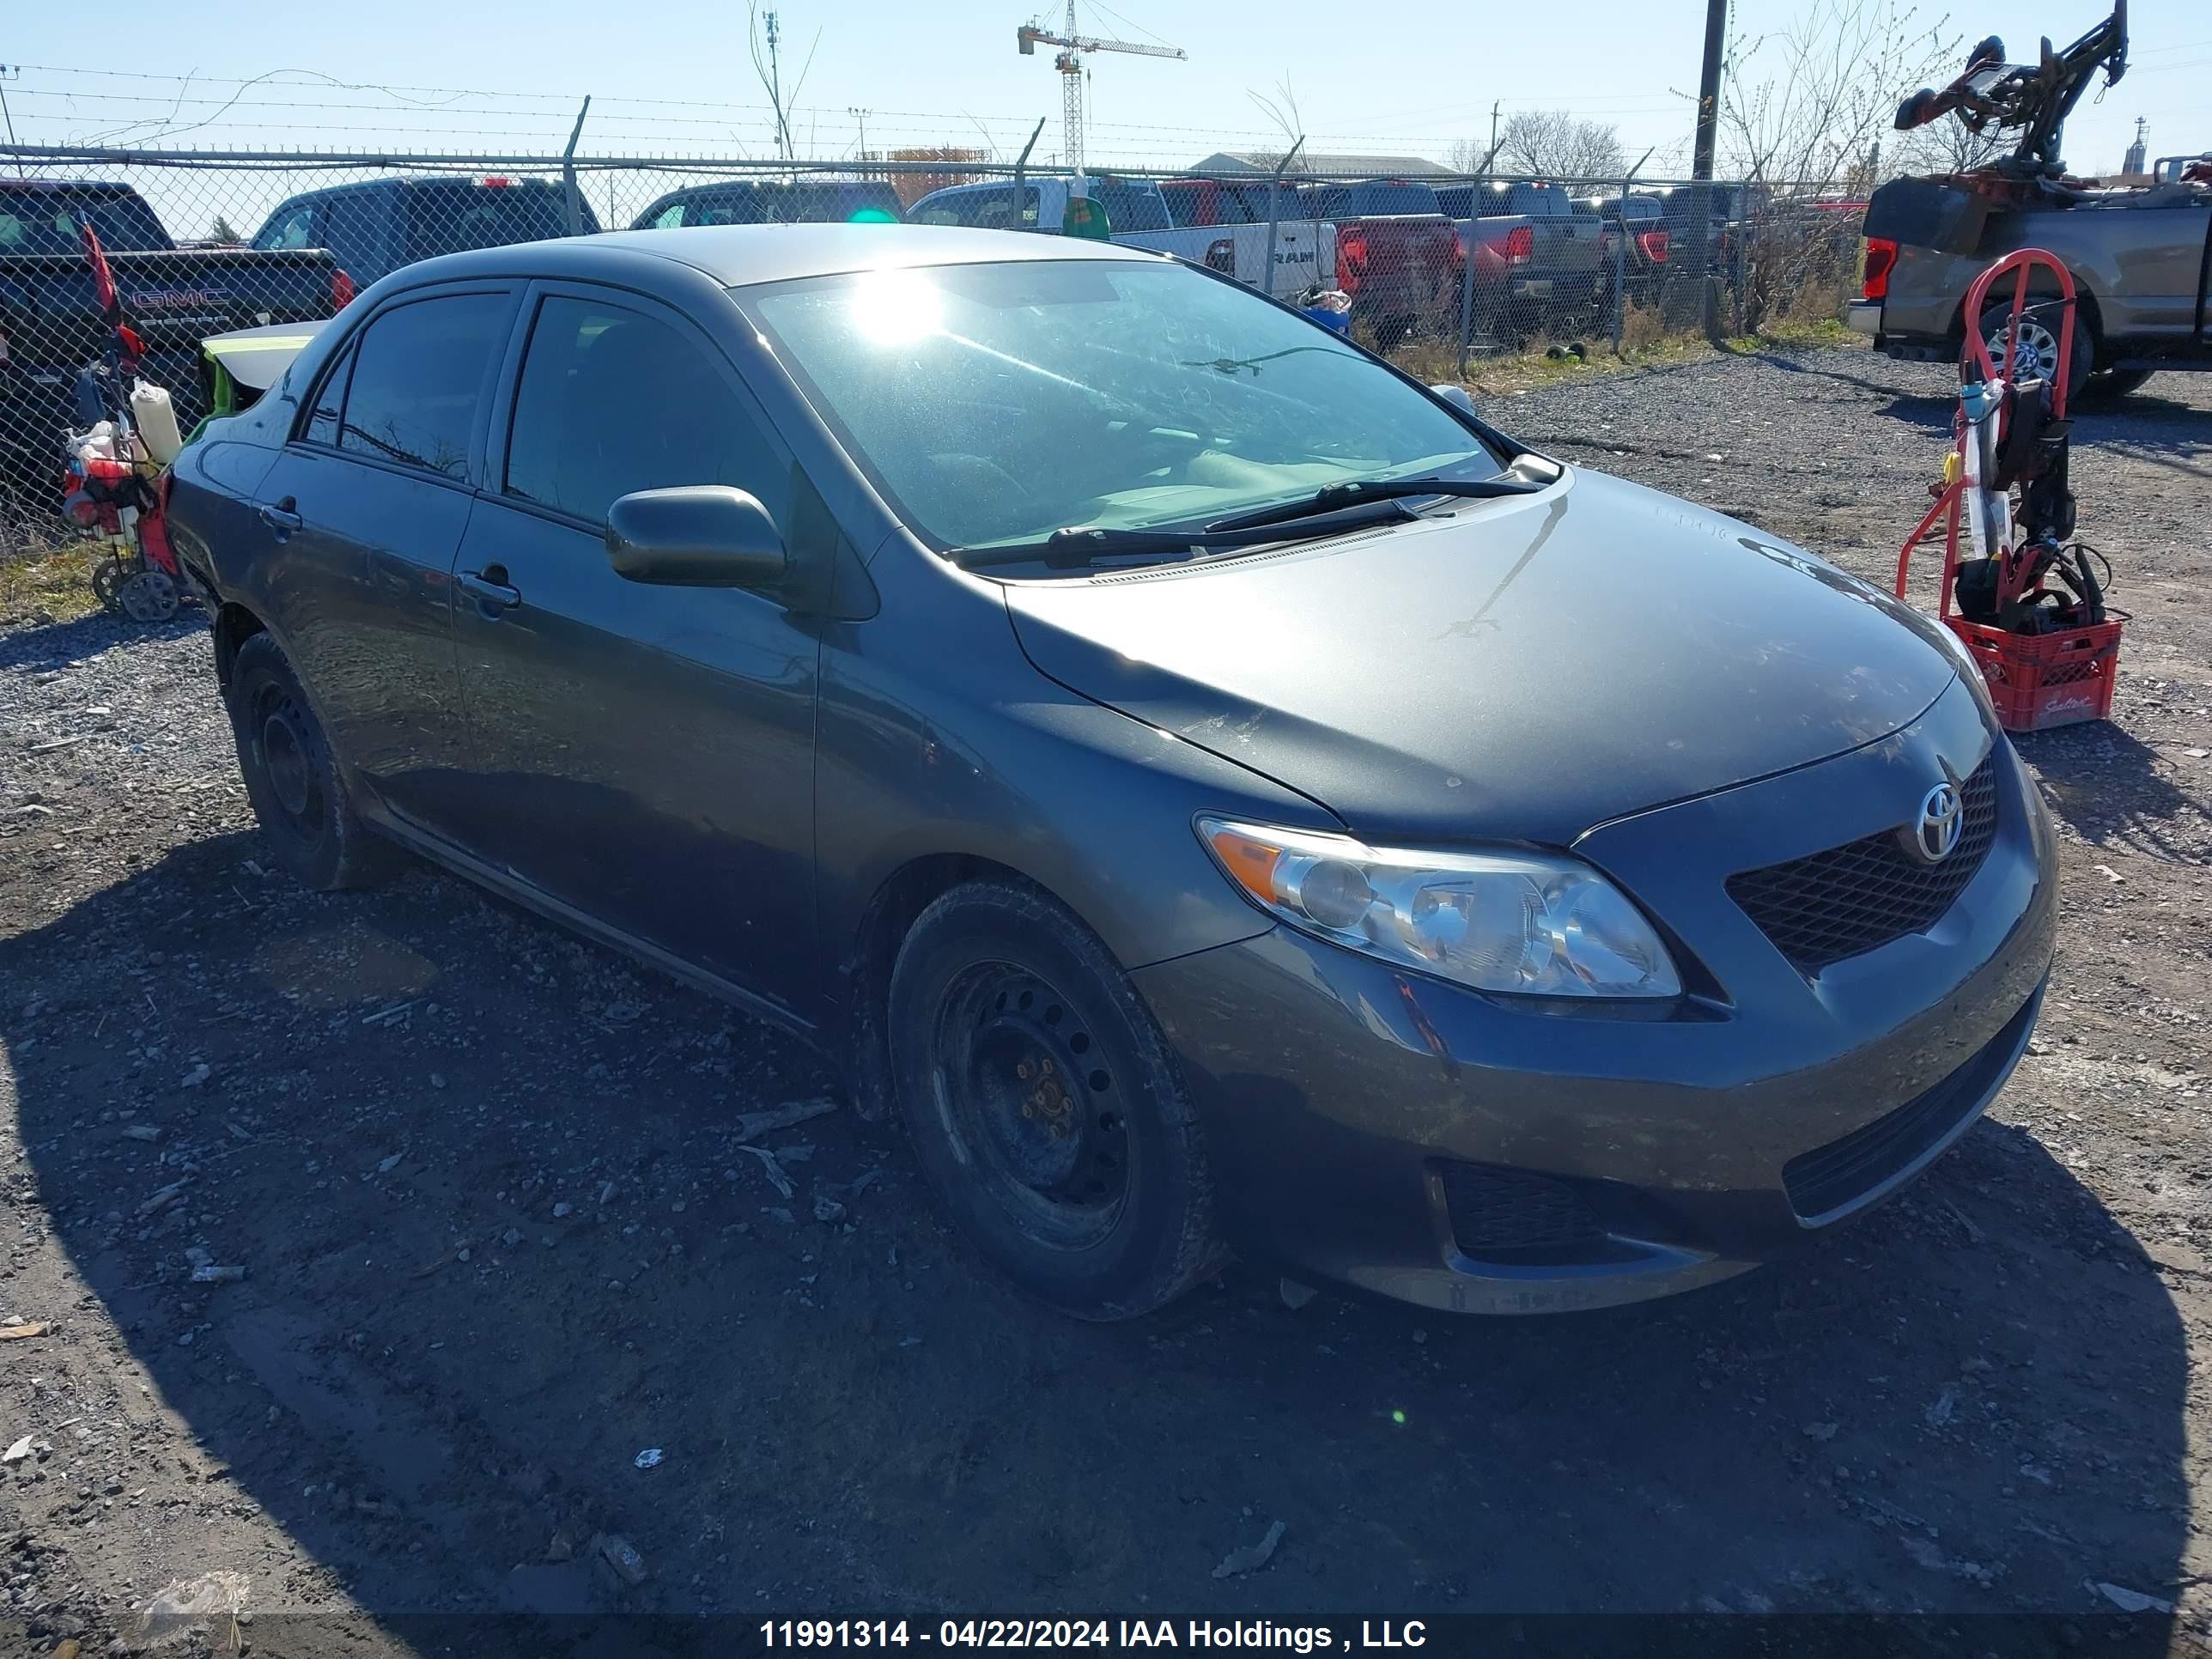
pixel 642 754
pixel 366 506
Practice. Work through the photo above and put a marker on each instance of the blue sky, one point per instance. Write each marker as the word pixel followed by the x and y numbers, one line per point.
pixel 496 75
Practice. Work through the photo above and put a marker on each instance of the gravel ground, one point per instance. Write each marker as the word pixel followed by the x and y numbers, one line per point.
pixel 505 1230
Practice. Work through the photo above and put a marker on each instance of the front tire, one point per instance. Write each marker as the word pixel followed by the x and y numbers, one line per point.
pixel 291 777
pixel 1045 1108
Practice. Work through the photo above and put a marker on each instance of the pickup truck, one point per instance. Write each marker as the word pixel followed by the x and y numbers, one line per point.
pixel 1396 255
pixel 1535 260
pixel 1238 212
pixel 1136 214
pixel 1636 227
pixel 773 201
pixel 377 226
pixel 2138 258
pixel 50 325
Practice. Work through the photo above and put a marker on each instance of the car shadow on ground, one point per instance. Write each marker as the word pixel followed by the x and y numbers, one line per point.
pixel 500 1237
pixel 37 648
pixel 2108 786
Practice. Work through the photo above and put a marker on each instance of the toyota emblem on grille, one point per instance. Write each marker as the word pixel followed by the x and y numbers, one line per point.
pixel 1935 834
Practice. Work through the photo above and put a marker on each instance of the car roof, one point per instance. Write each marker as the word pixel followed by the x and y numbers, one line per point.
pixel 739 256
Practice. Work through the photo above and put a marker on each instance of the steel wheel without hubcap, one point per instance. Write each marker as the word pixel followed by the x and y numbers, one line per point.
pixel 280 743
pixel 1027 1091
pixel 297 791
pixel 1045 1106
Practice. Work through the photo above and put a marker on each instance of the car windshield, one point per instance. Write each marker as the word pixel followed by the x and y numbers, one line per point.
pixel 996 403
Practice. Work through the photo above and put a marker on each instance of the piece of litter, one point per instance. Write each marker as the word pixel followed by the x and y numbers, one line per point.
pixel 161 1200
pixel 649 1458
pixel 1252 1557
pixel 18 1452
pixel 2126 1600
pixel 1820 1430
pixel 1939 1413
pixel 29 1328
pixel 776 1175
pixel 1295 1296
pixel 143 1131
pixel 52 744
pixel 622 1555
pixel 387 1165
pixel 752 1125
pixel 828 1209
pixel 212 1274
pixel 210 1602
pixel 199 1074
pixel 2108 872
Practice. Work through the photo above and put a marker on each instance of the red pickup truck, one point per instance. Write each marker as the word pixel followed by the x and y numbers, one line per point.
pixel 1397 255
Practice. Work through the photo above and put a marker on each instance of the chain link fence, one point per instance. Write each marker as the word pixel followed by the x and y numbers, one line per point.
pixel 1436 270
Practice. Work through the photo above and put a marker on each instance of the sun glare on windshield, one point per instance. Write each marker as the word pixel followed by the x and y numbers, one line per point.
pixel 894 307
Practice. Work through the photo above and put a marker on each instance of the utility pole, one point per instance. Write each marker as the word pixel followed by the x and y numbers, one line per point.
pixel 775 90
pixel 1493 134
pixel 1701 165
pixel 862 115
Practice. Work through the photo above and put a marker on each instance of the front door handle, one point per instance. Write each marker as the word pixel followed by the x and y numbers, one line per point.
pixel 283 517
pixel 479 585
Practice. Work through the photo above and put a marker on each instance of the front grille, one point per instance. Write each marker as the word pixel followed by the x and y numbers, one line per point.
pixel 1510 1212
pixel 1831 1177
pixel 1850 899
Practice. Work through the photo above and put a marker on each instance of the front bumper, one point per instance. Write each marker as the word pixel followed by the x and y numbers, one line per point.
pixel 1863 317
pixel 1372 1127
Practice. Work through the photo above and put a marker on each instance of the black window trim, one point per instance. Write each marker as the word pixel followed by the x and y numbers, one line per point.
pixel 500 435
pixel 342 355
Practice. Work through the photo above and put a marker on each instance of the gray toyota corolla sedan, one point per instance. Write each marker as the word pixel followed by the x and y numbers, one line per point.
pixel 1218 792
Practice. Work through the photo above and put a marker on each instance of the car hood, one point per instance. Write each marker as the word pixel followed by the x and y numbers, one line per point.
pixel 1524 669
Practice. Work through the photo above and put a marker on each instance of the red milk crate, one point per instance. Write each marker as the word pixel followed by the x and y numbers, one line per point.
pixel 2038 681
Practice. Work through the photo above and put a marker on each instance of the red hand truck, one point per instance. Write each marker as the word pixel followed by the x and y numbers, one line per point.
pixel 2036 681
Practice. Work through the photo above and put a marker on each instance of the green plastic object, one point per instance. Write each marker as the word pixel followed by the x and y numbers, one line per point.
pixel 1085 217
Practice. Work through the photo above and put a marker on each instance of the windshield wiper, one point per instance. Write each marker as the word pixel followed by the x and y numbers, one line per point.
pixel 1077 545
pixel 1331 498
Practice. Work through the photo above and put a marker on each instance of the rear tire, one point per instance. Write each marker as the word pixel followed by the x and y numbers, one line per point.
pixel 291 777
pixel 1046 1109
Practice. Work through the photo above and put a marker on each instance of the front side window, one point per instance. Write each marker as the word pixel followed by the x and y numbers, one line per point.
pixel 419 377
pixel 612 401
pixel 999 403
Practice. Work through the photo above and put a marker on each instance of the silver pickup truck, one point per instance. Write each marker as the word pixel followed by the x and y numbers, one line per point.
pixel 2138 258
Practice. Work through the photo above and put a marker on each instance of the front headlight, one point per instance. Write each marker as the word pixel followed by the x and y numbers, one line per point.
pixel 1518 922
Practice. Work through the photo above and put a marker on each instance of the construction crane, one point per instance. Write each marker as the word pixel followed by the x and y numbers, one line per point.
pixel 1069 62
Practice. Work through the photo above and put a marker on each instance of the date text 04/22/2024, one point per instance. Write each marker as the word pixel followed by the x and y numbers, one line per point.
pixel 1095 1633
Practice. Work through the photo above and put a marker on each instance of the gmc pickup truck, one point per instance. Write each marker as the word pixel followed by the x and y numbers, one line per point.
pixel 1136 214
pixel 50 325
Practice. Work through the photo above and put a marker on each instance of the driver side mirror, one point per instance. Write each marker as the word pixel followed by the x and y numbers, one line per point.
pixel 695 535
pixel 1456 396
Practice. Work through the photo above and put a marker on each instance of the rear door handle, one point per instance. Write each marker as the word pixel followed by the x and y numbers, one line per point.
pixel 480 589
pixel 282 518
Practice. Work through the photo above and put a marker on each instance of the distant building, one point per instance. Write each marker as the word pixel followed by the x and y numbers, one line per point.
pixel 1358 166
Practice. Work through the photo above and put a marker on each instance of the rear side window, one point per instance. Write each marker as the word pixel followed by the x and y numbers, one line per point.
pixel 613 400
pixel 453 218
pixel 329 403
pixel 986 209
pixel 1130 206
pixel 418 379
